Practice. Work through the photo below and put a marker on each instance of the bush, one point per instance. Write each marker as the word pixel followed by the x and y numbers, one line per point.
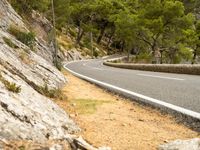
pixel 86 43
pixel 28 38
pixel 95 53
pixel 51 93
pixel 72 32
pixel 143 58
pixel 58 64
pixel 10 86
pixel 9 42
pixel 25 6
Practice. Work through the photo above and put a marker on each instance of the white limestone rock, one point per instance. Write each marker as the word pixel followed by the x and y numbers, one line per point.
pixel 192 144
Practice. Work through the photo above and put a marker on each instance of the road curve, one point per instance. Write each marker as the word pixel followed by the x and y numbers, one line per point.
pixel 177 91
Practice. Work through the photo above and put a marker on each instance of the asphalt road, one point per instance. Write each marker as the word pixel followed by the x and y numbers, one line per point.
pixel 177 89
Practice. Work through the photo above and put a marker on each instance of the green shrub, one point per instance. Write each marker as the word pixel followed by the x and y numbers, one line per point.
pixel 86 42
pixel 72 32
pixel 25 6
pixel 9 42
pixel 95 53
pixel 51 93
pixel 28 38
pixel 58 64
pixel 144 58
pixel 10 86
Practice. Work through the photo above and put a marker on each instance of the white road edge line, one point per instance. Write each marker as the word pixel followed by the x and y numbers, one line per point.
pixel 137 95
pixel 161 77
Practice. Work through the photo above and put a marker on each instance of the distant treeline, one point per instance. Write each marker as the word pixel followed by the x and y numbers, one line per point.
pixel 162 31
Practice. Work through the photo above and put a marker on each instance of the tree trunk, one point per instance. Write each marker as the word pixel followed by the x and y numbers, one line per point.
pixel 80 35
pixel 172 54
pixel 110 39
pixel 128 56
pixel 91 42
pixel 101 35
pixel 122 46
pixel 153 54
pixel 194 56
pixel 161 58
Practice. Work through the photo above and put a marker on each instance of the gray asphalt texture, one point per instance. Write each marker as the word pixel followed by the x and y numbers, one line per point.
pixel 178 89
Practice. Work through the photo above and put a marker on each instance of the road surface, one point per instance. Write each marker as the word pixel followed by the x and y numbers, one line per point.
pixel 177 89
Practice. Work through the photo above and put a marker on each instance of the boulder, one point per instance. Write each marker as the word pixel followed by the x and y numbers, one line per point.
pixel 192 144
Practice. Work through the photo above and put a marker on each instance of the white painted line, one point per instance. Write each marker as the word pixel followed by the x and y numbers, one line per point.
pixel 96 68
pixel 161 77
pixel 137 95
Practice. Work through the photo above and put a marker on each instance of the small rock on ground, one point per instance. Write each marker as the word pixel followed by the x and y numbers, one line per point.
pixel 192 144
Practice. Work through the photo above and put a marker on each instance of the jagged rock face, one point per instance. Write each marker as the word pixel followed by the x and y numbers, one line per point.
pixel 28 114
pixel 72 54
pixel 8 16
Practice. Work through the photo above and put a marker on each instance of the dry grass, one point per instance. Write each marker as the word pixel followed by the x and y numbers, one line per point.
pixel 87 106
pixel 119 123
pixel 65 42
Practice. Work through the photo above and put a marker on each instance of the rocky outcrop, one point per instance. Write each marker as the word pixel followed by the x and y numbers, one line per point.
pixel 72 54
pixel 193 144
pixel 27 114
pixel 9 17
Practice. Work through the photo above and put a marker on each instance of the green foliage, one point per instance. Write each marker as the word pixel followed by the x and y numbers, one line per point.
pixel 86 42
pixel 10 86
pixel 22 147
pixel 143 57
pixel 9 42
pixel 62 12
pixel 13 87
pixel 58 64
pixel 72 32
pixel 52 93
pixel 95 53
pixel 26 6
pixel 28 38
pixel 169 27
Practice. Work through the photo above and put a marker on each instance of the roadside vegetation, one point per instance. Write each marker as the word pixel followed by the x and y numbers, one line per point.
pixel 87 106
pixel 27 38
pixel 159 31
pixel 52 93
pixel 10 86
pixel 9 42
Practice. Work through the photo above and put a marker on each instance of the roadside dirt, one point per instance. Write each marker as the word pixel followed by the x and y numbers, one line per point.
pixel 109 120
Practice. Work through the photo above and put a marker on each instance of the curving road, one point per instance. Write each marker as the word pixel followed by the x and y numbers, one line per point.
pixel 176 89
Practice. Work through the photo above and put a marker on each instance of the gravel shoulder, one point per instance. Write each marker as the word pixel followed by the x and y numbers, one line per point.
pixel 110 120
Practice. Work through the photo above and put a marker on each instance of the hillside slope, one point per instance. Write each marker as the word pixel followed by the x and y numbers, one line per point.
pixel 24 112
